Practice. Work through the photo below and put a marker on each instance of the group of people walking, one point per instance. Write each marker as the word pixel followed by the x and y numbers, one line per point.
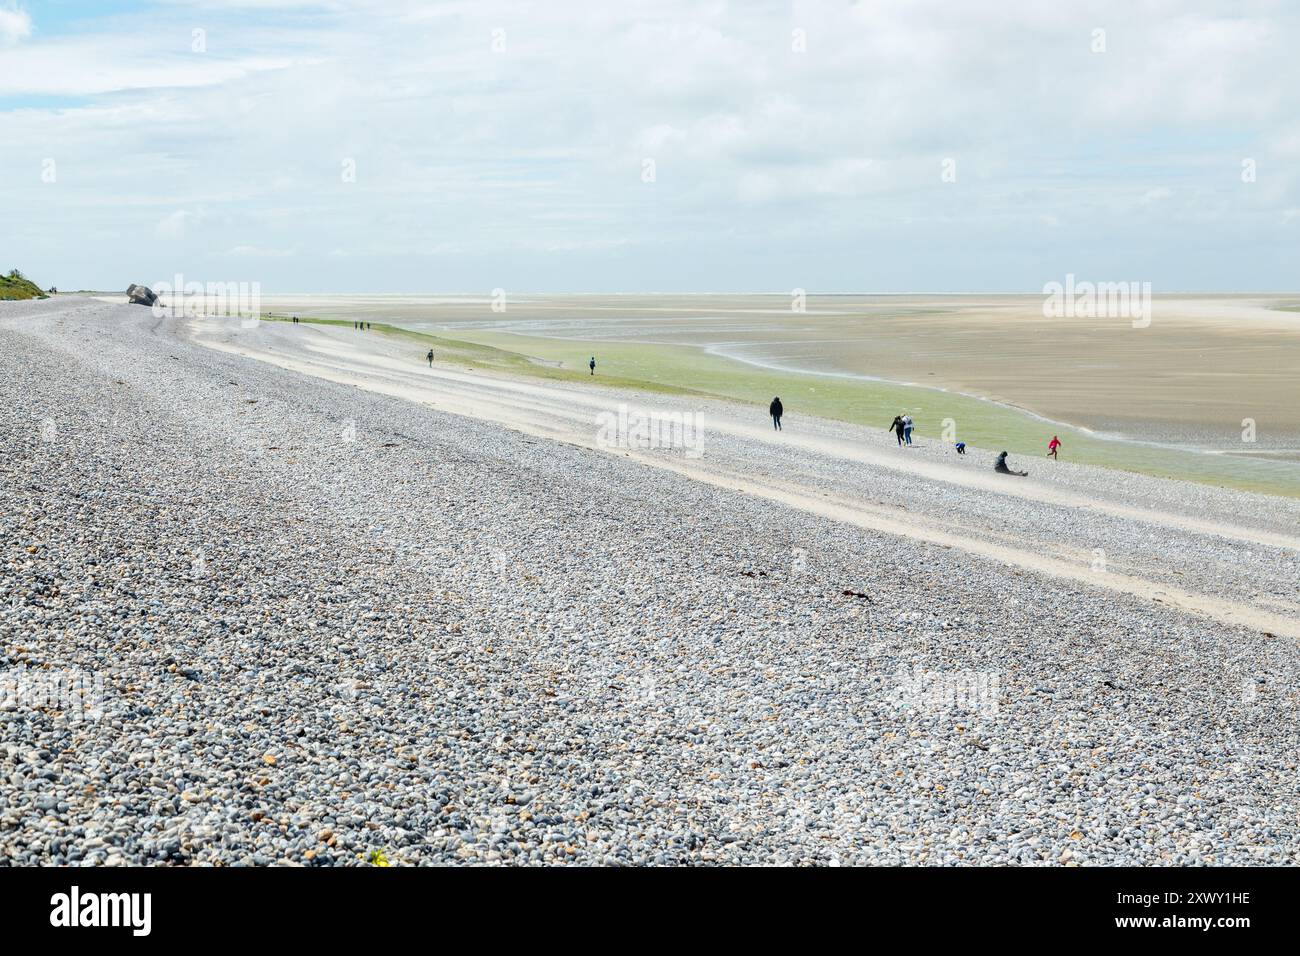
pixel 902 427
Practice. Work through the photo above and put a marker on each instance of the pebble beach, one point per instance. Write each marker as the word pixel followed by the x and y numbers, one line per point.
pixel 335 614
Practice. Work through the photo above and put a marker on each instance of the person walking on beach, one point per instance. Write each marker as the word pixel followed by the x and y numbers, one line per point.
pixel 430 358
pixel 961 448
pixel 1052 445
pixel 907 429
pixel 776 410
pixel 896 426
pixel 592 365
pixel 1000 466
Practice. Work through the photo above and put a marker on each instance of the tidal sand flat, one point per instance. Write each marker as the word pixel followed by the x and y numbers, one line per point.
pixel 344 605
pixel 1204 392
pixel 1201 365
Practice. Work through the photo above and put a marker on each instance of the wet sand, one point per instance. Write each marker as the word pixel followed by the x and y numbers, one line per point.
pixel 1203 369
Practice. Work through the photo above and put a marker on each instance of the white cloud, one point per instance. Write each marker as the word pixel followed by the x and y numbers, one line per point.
pixel 178 224
pixel 15 25
pixel 258 252
pixel 824 163
pixel 88 66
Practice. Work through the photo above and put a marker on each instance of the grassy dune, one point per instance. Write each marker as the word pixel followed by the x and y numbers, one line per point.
pixel 15 286
pixel 685 370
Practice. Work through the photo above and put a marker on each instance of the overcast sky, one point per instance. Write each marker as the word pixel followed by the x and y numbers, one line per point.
pixel 793 145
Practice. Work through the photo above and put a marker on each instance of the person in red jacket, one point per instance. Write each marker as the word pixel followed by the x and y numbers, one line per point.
pixel 1052 445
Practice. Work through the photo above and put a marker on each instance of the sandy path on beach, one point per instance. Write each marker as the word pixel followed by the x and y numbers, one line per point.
pixel 1190 377
pixel 568 414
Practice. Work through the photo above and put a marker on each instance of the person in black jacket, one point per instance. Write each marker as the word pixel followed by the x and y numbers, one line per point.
pixel 1000 466
pixel 776 410
pixel 896 426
